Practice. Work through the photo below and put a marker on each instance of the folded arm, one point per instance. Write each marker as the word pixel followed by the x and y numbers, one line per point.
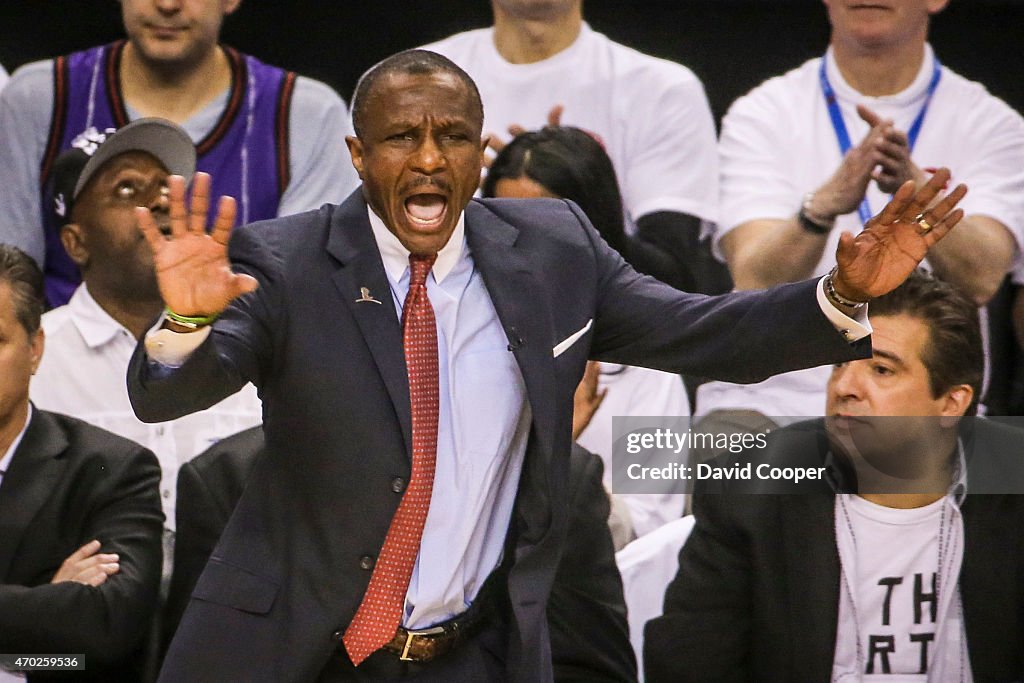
pixel 107 621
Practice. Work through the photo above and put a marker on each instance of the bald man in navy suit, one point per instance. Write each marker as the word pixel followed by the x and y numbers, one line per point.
pixel 524 292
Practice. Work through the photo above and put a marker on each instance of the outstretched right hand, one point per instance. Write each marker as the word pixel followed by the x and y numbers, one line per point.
pixel 192 267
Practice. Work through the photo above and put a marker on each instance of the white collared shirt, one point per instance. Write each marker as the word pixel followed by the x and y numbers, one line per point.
pixel 5 462
pixel 82 374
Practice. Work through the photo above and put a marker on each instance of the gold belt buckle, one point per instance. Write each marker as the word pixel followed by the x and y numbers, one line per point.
pixel 410 634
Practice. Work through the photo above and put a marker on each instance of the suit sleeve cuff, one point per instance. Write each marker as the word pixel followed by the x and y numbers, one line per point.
pixel 852 329
pixel 171 349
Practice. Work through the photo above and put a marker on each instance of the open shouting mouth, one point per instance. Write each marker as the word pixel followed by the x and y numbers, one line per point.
pixel 427 210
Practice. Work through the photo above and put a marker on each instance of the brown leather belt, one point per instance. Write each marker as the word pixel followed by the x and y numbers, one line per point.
pixel 425 645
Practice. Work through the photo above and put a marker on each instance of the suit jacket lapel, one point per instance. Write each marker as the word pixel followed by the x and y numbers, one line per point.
pixel 808 523
pixel 522 308
pixel 513 285
pixel 28 483
pixel 351 242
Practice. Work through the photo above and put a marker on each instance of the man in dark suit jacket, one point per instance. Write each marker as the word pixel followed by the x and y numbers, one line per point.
pixel 80 517
pixel 293 566
pixel 763 581
pixel 586 613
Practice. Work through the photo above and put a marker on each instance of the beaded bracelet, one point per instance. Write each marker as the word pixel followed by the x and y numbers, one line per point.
pixel 191 322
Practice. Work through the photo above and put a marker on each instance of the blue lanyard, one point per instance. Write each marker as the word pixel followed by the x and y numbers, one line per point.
pixel 843 136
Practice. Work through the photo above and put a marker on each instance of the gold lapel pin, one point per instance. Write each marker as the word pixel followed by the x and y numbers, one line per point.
pixel 365 296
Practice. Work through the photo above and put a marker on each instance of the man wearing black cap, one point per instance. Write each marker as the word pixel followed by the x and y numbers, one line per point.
pixel 97 185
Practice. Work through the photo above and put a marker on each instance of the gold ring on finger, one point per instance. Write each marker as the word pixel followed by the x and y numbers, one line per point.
pixel 922 222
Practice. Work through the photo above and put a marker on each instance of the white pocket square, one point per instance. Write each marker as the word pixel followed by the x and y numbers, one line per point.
pixel 561 346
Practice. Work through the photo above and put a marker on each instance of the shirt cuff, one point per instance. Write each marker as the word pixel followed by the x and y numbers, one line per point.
pixel 852 329
pixel 171 349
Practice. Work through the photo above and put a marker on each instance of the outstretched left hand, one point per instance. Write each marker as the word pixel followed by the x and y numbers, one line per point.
pixel 895 241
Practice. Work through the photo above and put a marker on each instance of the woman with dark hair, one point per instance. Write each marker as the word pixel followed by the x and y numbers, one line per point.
pixel 568 163
pixel 560 161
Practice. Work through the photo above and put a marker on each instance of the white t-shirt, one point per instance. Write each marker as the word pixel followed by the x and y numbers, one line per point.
pixel 899 618
pixel 637 392
pixel 778 143
pixel 651 114
pixel 3 77
pixel 82 374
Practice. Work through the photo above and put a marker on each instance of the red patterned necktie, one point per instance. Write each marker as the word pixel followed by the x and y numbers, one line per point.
pixel 380 612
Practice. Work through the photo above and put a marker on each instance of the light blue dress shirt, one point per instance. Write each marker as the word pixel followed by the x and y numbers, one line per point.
pixel 484 423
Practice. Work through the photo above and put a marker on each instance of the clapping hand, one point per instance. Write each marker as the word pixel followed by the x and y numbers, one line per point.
pixel 895 166
pixel 496 144
pixel 895 241
pixel 844 191
pixel 192 266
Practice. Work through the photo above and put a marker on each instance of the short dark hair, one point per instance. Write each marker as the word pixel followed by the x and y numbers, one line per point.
pixel 411 62
pixel 954 353
pixel 571 164
pixel 25 279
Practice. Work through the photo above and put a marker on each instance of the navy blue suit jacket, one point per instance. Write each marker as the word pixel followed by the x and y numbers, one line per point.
pixel 286 577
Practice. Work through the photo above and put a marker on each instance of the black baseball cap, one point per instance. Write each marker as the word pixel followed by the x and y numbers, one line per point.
pixel 90 150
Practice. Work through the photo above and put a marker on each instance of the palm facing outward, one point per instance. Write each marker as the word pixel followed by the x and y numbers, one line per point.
pixel 192 267
pixel 895 241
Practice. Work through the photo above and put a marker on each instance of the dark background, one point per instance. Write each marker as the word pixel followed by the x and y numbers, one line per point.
pixel 732 45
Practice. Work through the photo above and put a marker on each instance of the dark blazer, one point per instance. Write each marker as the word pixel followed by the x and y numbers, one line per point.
pixel 287 577
pixel 209 487
pixel 757 593
pixel 587 610
pixel 70 483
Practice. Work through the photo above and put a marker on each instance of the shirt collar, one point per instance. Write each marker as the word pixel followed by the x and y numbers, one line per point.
pixel 396 256
pixel 95 325
pixel 915 91
pixel 557 60
pixel 5 462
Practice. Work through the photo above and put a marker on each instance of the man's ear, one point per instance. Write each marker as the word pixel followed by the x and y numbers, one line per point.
pixel 38 342
pixel 355 149
pixel 73 239
pixel 957 400
pixel 230 6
